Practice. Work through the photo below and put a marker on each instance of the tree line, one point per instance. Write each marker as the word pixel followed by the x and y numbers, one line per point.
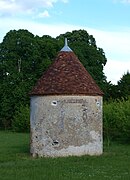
pixel 23 59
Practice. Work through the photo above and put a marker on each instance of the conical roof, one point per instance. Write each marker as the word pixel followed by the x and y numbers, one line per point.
pixel 66 76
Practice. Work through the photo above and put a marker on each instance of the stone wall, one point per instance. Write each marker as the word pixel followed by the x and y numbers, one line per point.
pixel 66 125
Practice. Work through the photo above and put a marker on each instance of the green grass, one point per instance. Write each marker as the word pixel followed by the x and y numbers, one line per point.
pixel 17 164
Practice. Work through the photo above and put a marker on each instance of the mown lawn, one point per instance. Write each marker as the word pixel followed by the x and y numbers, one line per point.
pixel 16 162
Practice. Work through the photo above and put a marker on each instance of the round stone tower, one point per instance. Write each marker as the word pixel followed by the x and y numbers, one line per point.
pixel 66 110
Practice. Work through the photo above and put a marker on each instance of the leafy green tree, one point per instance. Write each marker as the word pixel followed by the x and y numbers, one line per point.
pixel 21 64
pixel 16 60
pixel 21 119
pixel 92 57
pixel 23 59
pixel 121 90
pixel 116 118
pixel 124 86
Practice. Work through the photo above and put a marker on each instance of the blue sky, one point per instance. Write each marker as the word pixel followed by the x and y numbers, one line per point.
pixel 107 20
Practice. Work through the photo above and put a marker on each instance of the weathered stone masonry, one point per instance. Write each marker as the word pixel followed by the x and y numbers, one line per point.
pixel 67 125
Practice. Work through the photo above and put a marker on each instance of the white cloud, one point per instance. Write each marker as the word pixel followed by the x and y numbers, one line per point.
pixel 125 1
pixel 43 14
pixel 34 27
pixel 115 69
pixel 9 7
pixel 116 45
pixel 122 1
pixel 6 6
pixel 65 1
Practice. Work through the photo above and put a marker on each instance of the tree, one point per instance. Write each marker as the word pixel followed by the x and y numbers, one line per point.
pixel 16 59
pixel 23 58
pixel 119 91
pixel 92 57
pixel 124 86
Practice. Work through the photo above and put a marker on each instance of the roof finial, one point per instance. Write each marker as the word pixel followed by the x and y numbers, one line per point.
pixel 66 43
pixel 66 47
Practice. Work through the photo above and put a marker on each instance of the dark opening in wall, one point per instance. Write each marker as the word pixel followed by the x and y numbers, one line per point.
pixel 55 142
pixel 54 103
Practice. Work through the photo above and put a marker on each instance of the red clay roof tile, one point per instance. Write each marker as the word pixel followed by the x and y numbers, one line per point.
pixel 66 76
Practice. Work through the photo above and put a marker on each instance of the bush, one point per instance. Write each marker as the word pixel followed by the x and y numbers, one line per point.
pixel 21 119
pixel 117 120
